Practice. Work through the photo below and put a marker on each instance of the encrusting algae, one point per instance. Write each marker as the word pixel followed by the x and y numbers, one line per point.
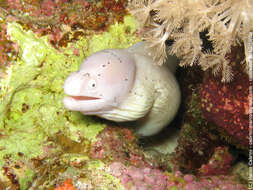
pixel 32 113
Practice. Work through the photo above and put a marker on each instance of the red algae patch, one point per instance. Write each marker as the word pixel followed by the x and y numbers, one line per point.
pixel 226 105
pixel 65 21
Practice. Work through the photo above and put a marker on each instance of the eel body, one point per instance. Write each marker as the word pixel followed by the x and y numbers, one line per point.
pixel 125 85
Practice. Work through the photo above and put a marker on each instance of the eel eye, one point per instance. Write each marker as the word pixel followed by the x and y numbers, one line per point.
pixel 92 84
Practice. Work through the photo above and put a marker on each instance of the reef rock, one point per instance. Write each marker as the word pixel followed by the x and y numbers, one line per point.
pixel 227 106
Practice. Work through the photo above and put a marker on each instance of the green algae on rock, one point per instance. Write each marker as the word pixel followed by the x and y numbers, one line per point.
pixel 83 171
pixel 31 111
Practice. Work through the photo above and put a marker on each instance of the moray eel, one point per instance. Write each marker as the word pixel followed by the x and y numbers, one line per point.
pixel 125 85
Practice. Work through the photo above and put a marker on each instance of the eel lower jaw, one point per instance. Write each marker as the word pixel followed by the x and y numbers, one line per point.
pixel 84 103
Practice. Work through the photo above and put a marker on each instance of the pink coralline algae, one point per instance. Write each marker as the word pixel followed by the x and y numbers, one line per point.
pixel 15 4
pixel 48 7
pixel 220 182
pixel 146 178
pixel 227 106
pixel 218 164
pixel 110 146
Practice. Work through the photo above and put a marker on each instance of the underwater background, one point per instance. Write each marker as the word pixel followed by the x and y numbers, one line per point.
pixel 45 146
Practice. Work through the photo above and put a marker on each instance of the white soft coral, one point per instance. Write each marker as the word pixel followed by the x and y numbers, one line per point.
pixel 227 23
pixel 237 19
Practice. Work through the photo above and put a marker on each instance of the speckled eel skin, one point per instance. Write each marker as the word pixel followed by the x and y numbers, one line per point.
pixel 125 85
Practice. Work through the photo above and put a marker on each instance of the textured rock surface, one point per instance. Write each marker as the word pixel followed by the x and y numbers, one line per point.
pixel 226 106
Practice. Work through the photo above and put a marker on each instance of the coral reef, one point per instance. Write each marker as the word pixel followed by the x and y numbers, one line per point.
pixel 83 173
pixel 196 146
pixel 44 146
pixel 197 140
pixel 200 137
pixel 227 107
pixel 201 35
pixel 32 113
pixel 78 171
pixel 7 51
pixel 121 151
pixel 219 163
pixel 220 182
pixel 241 171
pixel 64 21
pixel 151 179
pixel 139 178
pixel 31 108
pixel 67 185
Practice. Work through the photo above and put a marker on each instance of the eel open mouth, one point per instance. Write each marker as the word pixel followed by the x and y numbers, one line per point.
pixel 84 98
